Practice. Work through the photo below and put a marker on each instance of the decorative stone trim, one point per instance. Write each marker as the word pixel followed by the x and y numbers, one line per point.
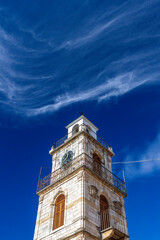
pixel 80 175
pixel 117 206
pixel 41 198
pixel 60 191
pixel 93 191
pixel 96 152
pixel 110 149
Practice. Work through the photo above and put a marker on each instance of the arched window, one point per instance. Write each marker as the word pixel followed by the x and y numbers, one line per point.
pixel 59 212
pixel 104 213
pixel 75 129
pixel 96 163
pixel 88 129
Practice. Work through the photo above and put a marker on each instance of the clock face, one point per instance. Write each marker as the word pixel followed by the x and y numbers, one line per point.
pixel 67 157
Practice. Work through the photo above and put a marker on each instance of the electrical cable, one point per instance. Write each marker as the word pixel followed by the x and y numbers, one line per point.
pixel 145 160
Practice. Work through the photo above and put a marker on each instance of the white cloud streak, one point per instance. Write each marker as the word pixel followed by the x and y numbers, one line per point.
pixel 144 168
pixel 115 22
pixel 111 88
pixel 90 36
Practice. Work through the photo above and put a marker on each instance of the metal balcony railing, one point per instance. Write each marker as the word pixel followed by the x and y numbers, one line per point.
pixel 60 141
pixel 82 128
pixel 83 160
pixel 107 222
pixel 104 218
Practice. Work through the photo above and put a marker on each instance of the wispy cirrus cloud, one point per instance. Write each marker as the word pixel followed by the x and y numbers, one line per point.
pixel 110 88
pixel 107 53
pixel 90 36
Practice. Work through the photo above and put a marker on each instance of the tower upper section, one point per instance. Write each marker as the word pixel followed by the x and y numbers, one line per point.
pixel 82 147
pixel 82 123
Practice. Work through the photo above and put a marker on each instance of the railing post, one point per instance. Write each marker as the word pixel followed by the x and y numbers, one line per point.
pixel 39 178
pixel 104 218
pixel 123 175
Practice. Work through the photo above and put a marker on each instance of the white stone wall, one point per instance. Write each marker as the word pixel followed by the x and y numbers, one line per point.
pixel 72 188
pixel 92 147
pixel 76 145
pixel 81 144
pixel 92 206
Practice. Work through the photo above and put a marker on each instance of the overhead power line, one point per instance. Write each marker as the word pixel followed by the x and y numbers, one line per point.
pixel 145 160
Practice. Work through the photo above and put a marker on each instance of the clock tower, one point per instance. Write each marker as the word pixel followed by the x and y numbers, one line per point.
pixel 81 198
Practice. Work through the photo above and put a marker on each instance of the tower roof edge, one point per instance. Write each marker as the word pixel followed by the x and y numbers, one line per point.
pixel 84 118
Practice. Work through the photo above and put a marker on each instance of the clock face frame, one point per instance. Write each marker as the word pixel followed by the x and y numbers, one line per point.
pixel 67 157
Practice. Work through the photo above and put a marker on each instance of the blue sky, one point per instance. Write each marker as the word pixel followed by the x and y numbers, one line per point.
pixel 61 57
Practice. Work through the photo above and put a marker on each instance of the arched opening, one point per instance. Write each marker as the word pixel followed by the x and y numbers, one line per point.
pixel 88 129
pixel 96 163
pixel 59 212
pixel 75 129
pixel 104 213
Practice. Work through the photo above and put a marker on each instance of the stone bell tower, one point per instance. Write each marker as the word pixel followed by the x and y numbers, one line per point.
pixel 81 198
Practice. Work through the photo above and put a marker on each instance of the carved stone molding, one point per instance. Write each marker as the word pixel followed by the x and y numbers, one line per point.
pixel 93 191
pixel 80 175
pixel 117 206
pixel 59 191
pixel 41 199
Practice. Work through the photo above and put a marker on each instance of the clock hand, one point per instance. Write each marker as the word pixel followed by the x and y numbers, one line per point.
pixel 66 156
